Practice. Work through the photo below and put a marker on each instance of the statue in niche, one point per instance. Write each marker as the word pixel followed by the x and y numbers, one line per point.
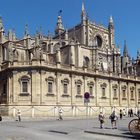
pixel 86 61
pixel 15 55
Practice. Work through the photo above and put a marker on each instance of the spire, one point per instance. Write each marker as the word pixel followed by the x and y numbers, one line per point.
pixel 138 55
pixel 10 35
pixel 49 35
pixel 14 35
pixel 125 51
pixel 110 19
pixel 83 12
pixel 66 35
pixel 83 7
pixel 111 23
pixel 1 23
pixel 59 28
pixel 26 32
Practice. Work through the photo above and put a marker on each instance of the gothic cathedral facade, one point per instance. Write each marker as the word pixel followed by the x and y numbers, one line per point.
pixel 41 74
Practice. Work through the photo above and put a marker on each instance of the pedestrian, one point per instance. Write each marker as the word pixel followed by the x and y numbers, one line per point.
pixel 0 117
pixel 124 112
pixel 19 115
pixel 121 114
pixel 113 117
pixel 131 112
pixel 138 112
pixel 101 118
pixel 60 114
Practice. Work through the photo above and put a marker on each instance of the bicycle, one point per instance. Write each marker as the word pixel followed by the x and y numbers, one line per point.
pixel 134 126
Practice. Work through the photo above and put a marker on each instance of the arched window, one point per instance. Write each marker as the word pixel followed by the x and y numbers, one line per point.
pixel 124 92
pixel 103 87
pixel 5 56
pixel 115 86
pixel 90 86
pixel 65 83
pixel 50 82
pixel 86 61
pixel 132 93
pixel 98 41
pixel 24 85
pixel 78 85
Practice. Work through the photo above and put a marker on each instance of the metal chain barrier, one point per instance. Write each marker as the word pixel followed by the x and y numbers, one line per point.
pixel 44 110
pixel 27 110
pixel 81 110
pixel 66 110
pixel 117 108
pixel 95 110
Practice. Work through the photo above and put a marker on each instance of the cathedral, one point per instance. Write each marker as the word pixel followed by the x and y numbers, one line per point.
pixel 41 74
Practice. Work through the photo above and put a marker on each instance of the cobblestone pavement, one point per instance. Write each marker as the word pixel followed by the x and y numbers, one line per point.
pixel 67 129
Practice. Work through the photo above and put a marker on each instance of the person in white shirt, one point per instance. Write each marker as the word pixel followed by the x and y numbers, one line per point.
pixel 60 114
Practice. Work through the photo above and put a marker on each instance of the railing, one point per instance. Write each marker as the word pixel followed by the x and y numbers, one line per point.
pixel 123 76
pixel 7 64
pixel 65 66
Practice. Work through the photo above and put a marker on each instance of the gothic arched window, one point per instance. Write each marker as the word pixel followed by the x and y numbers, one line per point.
pixel 98 41
pixel 86 61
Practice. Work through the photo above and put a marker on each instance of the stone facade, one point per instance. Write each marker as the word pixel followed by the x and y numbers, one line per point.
pixel 41 74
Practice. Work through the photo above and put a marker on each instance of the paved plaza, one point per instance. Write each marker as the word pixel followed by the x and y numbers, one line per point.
pixel 67 129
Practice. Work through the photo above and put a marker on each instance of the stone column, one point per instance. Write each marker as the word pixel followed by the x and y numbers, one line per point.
pixel 78 55
pixel 110 93
pixel 42 86
pixel 72 90
pixel 72 57
pixel 15 87
pixel 8 89
pixel 120 94
pixel 136 96
pixel 83 34
pixel 115 62
pixel 58 82
pixel 128 95
pixel 35 86
pixel 96 92
pixel 58 57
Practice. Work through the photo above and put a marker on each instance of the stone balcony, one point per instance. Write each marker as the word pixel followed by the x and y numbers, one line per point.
pixel 82 70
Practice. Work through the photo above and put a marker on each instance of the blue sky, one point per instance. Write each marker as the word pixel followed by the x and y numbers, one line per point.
pixel 43 13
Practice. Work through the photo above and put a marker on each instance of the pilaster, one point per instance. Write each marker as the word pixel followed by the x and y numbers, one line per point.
pixel 35 86
pixel 15 87
pixel 128 95
pixel 72 90
pixel 58 61
pixel 42 86
pixel 110 93
pixel 58 82
pixel 120 95
pixel 72 57
pixel 96 92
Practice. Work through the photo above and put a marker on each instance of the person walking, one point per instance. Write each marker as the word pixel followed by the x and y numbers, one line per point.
pixel 131 112
pixel 113 117
pixel 124 112
pixel 0 117
pixel 138 112
pixel 19 115
pixel 121 114
pixel 60 114
pixel 101 118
